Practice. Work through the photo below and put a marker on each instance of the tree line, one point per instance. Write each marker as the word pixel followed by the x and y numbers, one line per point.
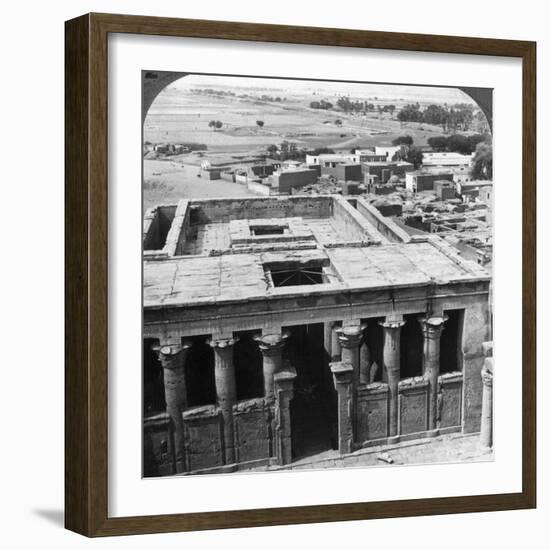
pixel 289 150
pixel 228 93
pixel 457 143
pixel 348 105
pixel 457 117
pixel 480 145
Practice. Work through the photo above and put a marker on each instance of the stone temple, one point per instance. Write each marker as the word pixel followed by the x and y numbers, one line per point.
pixel 281 327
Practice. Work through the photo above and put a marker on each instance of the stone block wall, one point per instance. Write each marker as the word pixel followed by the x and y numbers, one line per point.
pixel 253 430
pixel 476 330
pixel 204 437
pixel 353 224
pixel 450 400
pixel 157 224
pixel 203 429
pixel 158 446
pixel 413 405
pixel 372 411
pixel 372 422
pixel 225 210
pixel 294 179
pixel 386 226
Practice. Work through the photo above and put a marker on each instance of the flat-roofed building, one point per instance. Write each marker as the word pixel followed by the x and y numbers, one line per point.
pixel 419 181
pixel 446 159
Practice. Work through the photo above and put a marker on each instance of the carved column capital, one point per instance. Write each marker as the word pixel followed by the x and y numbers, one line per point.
pixel 222 343
pixel 350 336
pixel 271 344
pixel 432 326
pixel 171 355
pixel 392 323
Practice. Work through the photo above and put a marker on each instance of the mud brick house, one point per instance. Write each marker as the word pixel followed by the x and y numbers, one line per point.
pixel 279 327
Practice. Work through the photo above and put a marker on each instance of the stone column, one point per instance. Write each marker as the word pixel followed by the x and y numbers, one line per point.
pixel 391 359
pixel 350 338
pixel 271 346
pixel 284 392
pixel 486 435
pixel 172 358
pixel 335 343
pixel 431 332
pixel 226 391
pixel 342 374
pixel 364 361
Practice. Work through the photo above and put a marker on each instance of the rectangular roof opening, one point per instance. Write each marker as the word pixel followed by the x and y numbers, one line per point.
pixel 268 230
pixel 283 274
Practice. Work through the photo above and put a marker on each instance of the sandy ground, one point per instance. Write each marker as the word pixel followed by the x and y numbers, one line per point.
pixel 452 448
pixel 166 182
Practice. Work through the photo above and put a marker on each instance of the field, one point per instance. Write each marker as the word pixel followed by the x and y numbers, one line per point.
pixel 166 182
pixel 293 120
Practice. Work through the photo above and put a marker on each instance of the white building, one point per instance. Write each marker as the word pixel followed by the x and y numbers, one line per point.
pixel 447 160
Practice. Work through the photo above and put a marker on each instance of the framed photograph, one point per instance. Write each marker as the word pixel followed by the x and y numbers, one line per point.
pixel 294 257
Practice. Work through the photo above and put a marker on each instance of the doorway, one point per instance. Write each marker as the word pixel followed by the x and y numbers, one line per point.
pixel 314 407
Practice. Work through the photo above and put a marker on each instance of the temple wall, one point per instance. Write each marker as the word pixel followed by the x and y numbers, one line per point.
pixel 413 405
pixel 450 400
pixel 372 411
pixel 254 315
pixel 353 224
pixel 157 223
pixel 372 423
pixel 476 330
pixel 225 210
pixel 203 428
pixel 386 226
pixel 158 446
pixel 253 430
pixel 204 438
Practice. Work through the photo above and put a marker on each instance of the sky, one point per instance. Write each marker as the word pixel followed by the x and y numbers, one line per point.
pixel 324 88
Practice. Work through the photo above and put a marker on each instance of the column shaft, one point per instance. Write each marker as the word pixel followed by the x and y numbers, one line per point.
pixel 343 382
pixel 486 435
pixel 284 391
pixel 271 346
pixel 350 338
pixel 431 331
pixel 391 357
pixel 226 391
pixel 172 358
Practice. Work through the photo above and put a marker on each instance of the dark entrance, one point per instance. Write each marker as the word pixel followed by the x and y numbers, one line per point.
pixel 247 358
pixel 375 343
pixel 153 379
pixel 451 355
pixel 411 346
pixel 313 410
pixel 199 373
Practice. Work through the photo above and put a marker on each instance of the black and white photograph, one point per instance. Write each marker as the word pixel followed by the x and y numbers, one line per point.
pixel 317 274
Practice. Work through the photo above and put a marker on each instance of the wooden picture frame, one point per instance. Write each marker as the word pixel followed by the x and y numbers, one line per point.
pixel 86 282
